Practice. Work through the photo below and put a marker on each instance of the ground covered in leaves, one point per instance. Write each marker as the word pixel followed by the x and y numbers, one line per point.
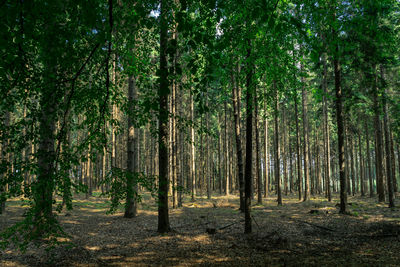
pixel 210 232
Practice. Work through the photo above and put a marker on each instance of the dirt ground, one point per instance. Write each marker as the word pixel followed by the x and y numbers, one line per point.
pixel 295 234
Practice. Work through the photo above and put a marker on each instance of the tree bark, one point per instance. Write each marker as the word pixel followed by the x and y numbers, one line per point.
pixel 379 145
pixel 163 91
pixel 299 160
pixel 341 137
pixel 236 96
pixel 258 162
pixel 371 184
pixel 388 150
pixel 327 148
pixel 277 152
pixel 131 182
pixel 226 152
pixel 193 149
pixel 266 154
pixel 362 172
pixel 305 141
pixel 249 144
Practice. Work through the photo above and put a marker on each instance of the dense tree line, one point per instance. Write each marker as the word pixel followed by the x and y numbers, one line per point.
pixel 196 98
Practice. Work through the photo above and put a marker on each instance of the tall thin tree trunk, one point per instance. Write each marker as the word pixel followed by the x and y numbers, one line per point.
pixel 266 153
pixel 163 217
pixel 226 150
pixel 284 152
pixel 362 172
pixel 258 162
pixel 387 147
pixel 299 160
pixel 371 184
pixel 249 144
pixel 305 141
pixel 277 154
pixel 379 145
pixel 395 189
pixel 353 176
pixel 341 136
pixel 327 148
pixel 236 96
pixel 131 185
pixel 193 154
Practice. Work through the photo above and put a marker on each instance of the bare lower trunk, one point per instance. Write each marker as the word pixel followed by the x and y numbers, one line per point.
pixel 258 162
pixel 277 154
pixel 305 143
pixel 163 217
pixel 299 160
pixel 341 136
pixel 388 154
pixel 249 145
pixel 132 157
pixel 236 96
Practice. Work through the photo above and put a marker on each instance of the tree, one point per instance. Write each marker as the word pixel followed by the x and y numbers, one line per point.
pixel 163 91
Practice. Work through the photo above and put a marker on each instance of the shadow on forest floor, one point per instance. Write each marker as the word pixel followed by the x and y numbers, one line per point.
pixel 298 233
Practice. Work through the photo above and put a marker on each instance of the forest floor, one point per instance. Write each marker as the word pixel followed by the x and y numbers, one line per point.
pixel 298 233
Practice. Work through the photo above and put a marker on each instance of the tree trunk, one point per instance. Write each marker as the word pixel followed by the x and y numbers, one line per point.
pixel 284 152
pixel 131 184
pixel 44 185
pixel 305 141
pixel 371 184
pixel 277 154
pixel 249 145
pixel 193 150
pixel 163 91
pixel 379 145
pixel 327 148
pixel 236 96
pixel 393 163
pixel 299 160
pixel 226 152
pixel 341 137
pixel 388 151
pixel 258 162
pixel 4 156
pixel 353 176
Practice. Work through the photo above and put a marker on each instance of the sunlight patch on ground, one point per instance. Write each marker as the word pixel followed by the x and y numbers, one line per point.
pixel 141 257
pixel 110 257
pixel 11 264
pixel 71 222
pixel 92 248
